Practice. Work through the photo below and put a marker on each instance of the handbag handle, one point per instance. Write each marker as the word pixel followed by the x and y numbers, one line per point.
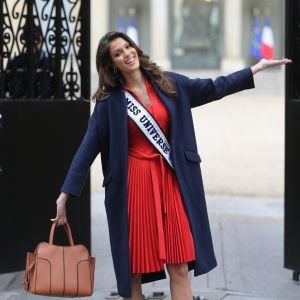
pixel 67 229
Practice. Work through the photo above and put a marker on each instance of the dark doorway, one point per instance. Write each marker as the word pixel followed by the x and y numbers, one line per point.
pixel 292 144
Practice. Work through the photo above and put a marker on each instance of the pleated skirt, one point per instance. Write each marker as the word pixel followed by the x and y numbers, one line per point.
pixel 159 230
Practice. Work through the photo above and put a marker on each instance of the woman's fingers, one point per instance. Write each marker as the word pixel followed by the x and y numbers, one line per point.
pixel 275 62
pixel 61 215
pixel 59 220
pixel 287 61
pixel 283 61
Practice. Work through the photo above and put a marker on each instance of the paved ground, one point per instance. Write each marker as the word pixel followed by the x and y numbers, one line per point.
pixel 248 240
pixel 241 144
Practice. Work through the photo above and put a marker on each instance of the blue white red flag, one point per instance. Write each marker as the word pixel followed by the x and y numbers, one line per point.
pixel 267 41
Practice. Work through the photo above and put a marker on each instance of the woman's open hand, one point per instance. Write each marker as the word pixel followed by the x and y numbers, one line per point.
pixel 267 63
pixel 61 215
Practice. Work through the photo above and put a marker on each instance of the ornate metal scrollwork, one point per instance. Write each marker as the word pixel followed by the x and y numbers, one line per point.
pixel 40 49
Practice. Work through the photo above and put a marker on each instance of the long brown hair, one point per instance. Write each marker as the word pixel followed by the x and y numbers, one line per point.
pixel 109 79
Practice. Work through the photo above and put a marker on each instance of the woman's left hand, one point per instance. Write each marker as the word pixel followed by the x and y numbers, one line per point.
pixel 267 63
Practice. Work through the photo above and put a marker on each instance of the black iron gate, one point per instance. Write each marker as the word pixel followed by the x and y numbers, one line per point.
pixel 292 144
pixel 40 48
pixel 44 80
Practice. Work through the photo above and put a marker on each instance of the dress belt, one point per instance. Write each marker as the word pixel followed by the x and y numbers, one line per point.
pixel 157 168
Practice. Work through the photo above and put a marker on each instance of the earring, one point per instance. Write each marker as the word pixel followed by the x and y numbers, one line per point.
pixel 115 70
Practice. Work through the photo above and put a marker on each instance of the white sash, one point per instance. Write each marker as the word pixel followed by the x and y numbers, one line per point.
pixel 147 124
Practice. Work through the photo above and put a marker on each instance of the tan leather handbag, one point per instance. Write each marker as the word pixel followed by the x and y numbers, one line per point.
pixel 66 271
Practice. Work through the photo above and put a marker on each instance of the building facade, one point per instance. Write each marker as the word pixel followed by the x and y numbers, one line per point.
pixel 192 34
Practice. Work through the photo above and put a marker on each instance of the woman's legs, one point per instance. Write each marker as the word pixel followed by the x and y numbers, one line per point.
pixel 136 288
pixel 179 282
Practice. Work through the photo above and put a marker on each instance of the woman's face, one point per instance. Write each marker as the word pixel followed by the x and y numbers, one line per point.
pixel 124 56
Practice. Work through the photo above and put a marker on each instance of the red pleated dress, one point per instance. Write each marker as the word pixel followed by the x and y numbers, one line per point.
pixel 159 230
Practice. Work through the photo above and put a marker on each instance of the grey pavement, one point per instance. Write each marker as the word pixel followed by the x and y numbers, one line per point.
pixel 241 141
pixel 248 240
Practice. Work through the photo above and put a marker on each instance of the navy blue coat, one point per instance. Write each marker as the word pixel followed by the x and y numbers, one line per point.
pixel 107 133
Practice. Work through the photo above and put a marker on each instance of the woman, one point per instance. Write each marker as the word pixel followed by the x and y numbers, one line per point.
pixel 154 198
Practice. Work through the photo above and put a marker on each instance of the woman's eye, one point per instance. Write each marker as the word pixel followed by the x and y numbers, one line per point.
pixel 117 54
pixel 127 46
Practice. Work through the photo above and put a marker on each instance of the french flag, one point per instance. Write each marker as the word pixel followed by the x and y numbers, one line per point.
pixel 267 41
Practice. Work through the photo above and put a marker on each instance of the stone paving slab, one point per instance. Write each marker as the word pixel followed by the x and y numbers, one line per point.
pixel 104 295
pixel 240 297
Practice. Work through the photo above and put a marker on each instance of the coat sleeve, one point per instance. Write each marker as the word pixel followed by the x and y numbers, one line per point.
pixel 85 155
pixel 202 91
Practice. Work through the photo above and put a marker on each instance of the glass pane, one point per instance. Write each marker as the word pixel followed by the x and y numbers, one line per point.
pixel 196 33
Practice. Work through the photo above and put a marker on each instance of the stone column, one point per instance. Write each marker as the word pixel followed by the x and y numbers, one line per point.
pixel 233 27
pixel 159 22
pixel 99 26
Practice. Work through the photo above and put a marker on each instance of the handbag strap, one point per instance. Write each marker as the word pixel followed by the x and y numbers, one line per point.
pixel 67 229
